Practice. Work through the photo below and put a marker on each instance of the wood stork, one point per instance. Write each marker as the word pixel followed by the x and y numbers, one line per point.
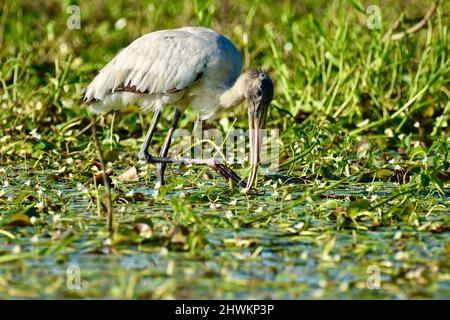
pixel 192 66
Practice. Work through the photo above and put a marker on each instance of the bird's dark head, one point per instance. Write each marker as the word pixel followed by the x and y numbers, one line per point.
pixel 259 96
pixel 259 93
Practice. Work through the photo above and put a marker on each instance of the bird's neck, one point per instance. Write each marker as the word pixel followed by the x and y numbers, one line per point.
pixel 235 94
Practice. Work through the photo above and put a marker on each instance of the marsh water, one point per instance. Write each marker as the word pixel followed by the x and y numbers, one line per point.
pixel 299 254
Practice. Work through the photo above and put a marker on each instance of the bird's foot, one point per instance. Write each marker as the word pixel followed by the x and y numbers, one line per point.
pixel 145 156
pixel 226 172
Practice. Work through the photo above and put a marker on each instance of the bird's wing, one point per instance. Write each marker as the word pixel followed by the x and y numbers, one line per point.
pixel 159 62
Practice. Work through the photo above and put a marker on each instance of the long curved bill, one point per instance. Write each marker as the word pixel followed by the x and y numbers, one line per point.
pixel 256 128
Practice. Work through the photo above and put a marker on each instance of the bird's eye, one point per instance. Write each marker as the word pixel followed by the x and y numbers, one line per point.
pixel 259 92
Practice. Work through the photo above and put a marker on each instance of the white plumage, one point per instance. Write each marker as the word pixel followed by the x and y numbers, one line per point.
pixel 188 66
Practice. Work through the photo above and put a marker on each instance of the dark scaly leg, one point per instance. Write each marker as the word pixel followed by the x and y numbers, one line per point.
pixel 143 152
pixel 161 167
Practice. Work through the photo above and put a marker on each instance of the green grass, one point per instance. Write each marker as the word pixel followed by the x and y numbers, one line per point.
pixel 364 154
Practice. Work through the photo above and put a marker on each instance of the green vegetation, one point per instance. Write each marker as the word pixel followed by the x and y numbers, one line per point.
pixel 364 158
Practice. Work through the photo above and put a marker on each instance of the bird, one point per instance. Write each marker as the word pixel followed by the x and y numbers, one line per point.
pixel 193 67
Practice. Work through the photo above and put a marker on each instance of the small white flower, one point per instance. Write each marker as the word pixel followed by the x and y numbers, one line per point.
pixel 288 47
pixel 27 183
pixel 16 249
pixel 397 167
pixel 299 225
pixel 288 197
pixel 59 193
pixel 122 209
pixel 79 186
pixel 107 242
pixel 33 220
pixel 6 183
pixel 40 205
pixel 370 188
pixel 387 263
pixel 34 134
pixel 229 214
pixel 233 202
pixel 259 209
pixel 401 255
pixel 322 185
pixel 120 24
pixel 389 133
pixel 215 205
pixel 363 123
pixel 129 194
pixel 5 138
pixel 56 218
pixel 34 239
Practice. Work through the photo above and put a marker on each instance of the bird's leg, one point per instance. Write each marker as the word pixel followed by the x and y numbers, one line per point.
pixel 143 152
pixel 162 160
pixel 222 169
pixel 161 167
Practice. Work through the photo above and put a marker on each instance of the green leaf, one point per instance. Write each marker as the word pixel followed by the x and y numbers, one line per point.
pixel 424 180
pixel 19 220
pixel 44 145
pixel 383 174
pixel 358 6
pixel 358 206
